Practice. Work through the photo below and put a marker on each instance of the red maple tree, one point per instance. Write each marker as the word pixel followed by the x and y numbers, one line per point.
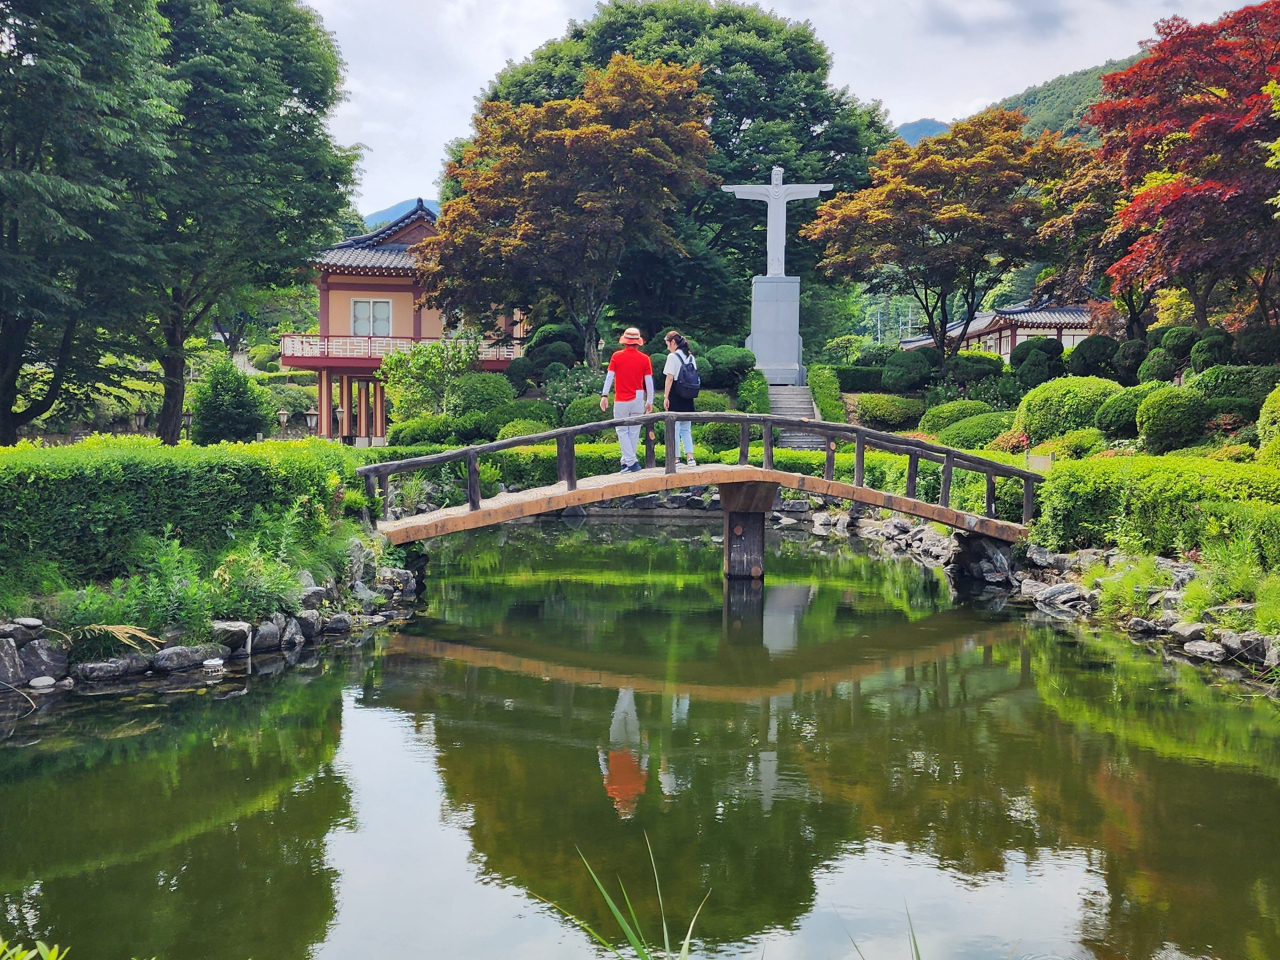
pixel 1188 127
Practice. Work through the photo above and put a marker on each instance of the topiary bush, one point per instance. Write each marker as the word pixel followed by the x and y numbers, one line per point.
pixel 555 352
pixel 584 410
pixel 432 428
pixel 1178 341
pixel 1073 445
pixel 1039 368
pixel 1061 405
pixel 708 401
pixel 753 394
pixel 1171 417
pixel 1049 346
pixel 1269 418
pixel 227 406
pixel 520 371
pixel 860 379
pixel 906 370
pixel 1160 365
pixel 1092 357
pixel 522 428
pixel 729 367
pixel 1127 360
pixel 1258 345
pixel 885 411
pixel 974 433
pixel 936 419
pixel 1117 418
pixel 477 393
pixel 264 354
pixel 825 388
pixel 973 366
pixel 1211 352
pixel 1250 383
pixel 719 436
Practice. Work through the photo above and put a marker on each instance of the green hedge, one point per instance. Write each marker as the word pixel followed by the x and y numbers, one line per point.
pixel 973 433
pixel 1172 417
pixel 886 411
pixel 825 387
pixel 936 419
pixel 84 506
pixel 1144 503
pixel 860 379
pixel 753 394
pixel 1226 382
pixel 302 378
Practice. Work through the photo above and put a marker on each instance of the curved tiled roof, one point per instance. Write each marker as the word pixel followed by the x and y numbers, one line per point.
pixel 1047 316
pixel 370 253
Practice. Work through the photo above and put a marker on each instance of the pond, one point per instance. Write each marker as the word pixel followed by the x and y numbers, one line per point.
pixel 824 756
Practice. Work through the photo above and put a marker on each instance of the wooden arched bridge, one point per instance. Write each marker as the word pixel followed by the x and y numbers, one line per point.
pixel 746 491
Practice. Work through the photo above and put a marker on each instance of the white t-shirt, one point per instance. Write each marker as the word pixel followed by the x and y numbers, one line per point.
pixel 675 361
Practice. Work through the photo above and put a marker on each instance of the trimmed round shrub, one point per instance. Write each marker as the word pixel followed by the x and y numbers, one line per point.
pixel 1242 408
pixel 1074 445
pixel 522 428
pixel 520 371
pixel 271 367
pixel 907 370
pixel 555 352
pixel 584 410
pixel 553 371
pixel 477 393
pixel 936 419
pixel 718 436
pixel 1178 341
pixel 1039 368
pixel 1062 405
pixel 1051 347
pixel 1127 361
pixel 475 427
pixel 539 410
pixel 1159 365
pixel 263 354
pixel 1171 417
pixel 708 401
pixel 876 355
pixel 1269 418
pixel 932 354
pixel 1011 441
pixel 973 366
pixel 729 365
pixel 860 379
pixel 1258 345
pixel 1250 383
pixel 973 433
pixel 884 411
pixel 551 333
pixel 1117 418
pixel 432 428
pixel 1212 352
pixel 1092 357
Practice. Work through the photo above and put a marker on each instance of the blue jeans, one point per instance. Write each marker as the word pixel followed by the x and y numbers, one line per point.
pixel 684 437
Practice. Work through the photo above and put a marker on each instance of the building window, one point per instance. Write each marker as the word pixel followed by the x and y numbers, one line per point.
pixel 371 318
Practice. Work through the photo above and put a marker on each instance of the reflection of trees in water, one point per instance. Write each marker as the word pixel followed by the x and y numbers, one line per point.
pixel 956 757
pixel 200 836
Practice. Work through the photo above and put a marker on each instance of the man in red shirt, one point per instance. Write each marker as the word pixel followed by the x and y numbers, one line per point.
pixel 631 377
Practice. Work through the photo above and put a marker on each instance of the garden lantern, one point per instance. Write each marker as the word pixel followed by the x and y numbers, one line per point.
pixel 187 417
pixel 283 416
pixel 140 420
pixel 337 412
pixel 313 417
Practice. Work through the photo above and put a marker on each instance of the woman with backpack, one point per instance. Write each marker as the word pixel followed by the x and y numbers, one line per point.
pixel 683 384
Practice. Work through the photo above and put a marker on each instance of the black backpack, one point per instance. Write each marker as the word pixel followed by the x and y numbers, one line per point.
pixel 687 384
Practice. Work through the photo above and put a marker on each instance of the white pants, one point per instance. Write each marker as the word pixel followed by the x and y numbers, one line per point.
pixel 629 437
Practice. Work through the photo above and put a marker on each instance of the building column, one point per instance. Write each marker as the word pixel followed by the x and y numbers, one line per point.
pixel 379 414
pixel 324 304
pixel 362 420
pixel 324 390
pixel 344 401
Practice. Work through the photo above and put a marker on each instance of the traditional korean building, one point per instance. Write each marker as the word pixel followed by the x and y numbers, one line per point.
pixel 369 308
pixel 998 331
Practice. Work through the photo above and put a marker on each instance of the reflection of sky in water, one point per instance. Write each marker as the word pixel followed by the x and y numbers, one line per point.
pixel 409 877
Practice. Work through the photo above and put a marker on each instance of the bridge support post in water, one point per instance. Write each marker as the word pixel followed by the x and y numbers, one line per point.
pixel 744 612
pixel 745 506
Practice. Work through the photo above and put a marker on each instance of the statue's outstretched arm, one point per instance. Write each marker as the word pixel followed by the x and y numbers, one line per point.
pixel 804 191
pixel 748 191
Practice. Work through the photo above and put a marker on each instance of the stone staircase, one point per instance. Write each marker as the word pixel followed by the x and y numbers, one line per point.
pixel 795 402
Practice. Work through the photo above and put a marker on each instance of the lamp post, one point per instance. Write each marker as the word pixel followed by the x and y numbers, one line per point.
pixel 140 420
pixel 282 415
pixel 337 412
pixel 187 417
pixel 313 417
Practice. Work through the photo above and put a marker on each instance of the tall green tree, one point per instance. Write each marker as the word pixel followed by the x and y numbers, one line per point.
pixel 83 109
pixel 771 104
pixel 257 181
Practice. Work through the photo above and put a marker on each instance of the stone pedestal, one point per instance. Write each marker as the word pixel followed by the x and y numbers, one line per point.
pixel 775 329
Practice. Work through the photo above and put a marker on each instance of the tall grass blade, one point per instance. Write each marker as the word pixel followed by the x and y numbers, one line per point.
pixel 632 910
pixel 551 903
pixel 662 910
pixel 627 932
pixel 915 946
pixel 684 950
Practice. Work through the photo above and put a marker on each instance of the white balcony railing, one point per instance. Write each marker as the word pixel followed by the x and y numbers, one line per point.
pixel 347 348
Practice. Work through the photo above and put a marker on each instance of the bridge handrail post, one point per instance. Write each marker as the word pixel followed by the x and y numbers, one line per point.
pixel 859 458
pixel 829 469
pixel 913 473
pixel 650 457
pixel 566 462
pixel 767 462
pixel 944 497
pixel 671 443
pixel 744 444
pixel 991 494
pixel 1028 500
pixel 370 492
pixel 473 480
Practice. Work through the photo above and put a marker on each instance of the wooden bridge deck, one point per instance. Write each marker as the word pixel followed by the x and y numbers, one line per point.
pixel 527 503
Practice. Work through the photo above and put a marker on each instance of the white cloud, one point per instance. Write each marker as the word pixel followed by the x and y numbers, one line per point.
pixel 415 67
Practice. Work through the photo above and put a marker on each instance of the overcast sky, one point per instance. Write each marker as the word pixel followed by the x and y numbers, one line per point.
pixel 414 67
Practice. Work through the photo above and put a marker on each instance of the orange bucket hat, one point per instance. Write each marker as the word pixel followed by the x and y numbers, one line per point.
pixel 631 336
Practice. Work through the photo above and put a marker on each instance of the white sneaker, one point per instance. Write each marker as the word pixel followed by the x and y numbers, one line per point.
pixel 689 461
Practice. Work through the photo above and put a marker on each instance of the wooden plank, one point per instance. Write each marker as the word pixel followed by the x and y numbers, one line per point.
pixel 528 503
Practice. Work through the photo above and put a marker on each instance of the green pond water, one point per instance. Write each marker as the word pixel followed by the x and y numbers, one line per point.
pixel 822 755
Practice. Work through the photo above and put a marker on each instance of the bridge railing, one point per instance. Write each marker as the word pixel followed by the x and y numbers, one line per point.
pixel 377 475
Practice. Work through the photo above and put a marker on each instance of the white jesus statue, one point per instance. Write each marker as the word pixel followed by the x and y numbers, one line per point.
pixel 776 195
